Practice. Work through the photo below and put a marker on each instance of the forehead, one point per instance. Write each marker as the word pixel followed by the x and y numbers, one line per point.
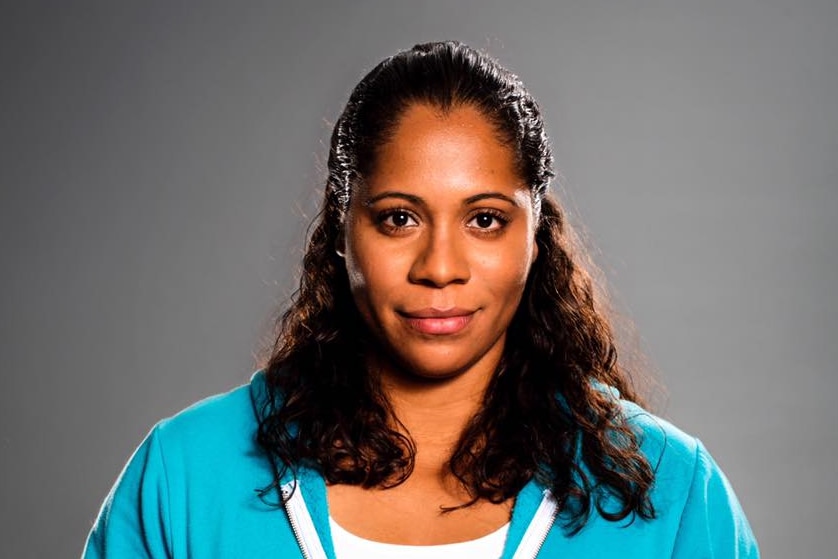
pixel 455 153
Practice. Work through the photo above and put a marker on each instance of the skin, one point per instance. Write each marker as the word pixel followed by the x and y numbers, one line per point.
pixel 443 226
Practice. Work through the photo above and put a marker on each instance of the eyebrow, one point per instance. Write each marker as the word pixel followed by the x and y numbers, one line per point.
pixel 419 201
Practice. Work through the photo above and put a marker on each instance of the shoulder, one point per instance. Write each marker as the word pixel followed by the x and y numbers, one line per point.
pixel 696 513
pixel 671 452
pixel 691 494
pixel 229 413
pixel 191 466
pixel 208 452
pixel 215 430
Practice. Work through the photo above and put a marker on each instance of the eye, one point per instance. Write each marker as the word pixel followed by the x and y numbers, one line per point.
pixel 396 219
pixel 488 221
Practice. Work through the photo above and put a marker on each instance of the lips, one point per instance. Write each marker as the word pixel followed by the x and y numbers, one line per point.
pixel 438 322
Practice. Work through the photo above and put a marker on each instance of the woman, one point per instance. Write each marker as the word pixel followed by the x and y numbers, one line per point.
pixel 444 383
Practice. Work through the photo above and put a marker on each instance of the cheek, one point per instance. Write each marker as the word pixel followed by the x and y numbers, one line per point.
pixel 505 276
pixel 510 265
pixel 371 275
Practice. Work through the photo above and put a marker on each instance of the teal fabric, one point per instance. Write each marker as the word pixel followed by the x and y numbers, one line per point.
pixel 191 490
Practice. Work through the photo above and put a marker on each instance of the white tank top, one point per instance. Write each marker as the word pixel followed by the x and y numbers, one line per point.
pixel 350 546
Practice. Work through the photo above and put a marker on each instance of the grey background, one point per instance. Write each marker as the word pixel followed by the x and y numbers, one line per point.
pixel 159 162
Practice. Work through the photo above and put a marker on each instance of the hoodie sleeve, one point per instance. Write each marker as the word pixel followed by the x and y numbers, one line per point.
pixel 713 525
pixel 134 519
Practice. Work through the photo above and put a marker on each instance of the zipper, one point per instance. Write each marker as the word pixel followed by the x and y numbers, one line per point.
pixel 536 534
pixel 301 523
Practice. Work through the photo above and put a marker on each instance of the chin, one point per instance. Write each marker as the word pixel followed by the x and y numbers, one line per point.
pixel 429 369
pixel 435 374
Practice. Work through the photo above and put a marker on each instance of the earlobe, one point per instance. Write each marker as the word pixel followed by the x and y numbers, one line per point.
pixel 340 244
pixel 534 255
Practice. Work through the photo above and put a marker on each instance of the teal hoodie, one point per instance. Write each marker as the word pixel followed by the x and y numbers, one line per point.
pixel 191 489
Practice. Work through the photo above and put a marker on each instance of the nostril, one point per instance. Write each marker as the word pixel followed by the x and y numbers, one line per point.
pixel 441 261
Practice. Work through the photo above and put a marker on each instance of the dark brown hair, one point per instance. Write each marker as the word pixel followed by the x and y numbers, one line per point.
pixel 548 413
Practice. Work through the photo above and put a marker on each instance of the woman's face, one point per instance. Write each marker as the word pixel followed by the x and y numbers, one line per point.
pixel 439 241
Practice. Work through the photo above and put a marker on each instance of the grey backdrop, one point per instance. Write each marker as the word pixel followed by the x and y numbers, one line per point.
pixel 159 161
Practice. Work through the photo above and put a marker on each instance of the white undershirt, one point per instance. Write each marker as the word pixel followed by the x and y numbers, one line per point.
pixel 350 546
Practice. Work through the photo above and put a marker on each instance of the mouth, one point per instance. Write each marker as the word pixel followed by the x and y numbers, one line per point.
pixel 438 322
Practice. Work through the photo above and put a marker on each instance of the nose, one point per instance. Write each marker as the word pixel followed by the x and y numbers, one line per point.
pixel 440 261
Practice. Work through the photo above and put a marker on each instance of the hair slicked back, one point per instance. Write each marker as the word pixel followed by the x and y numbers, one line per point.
pixel 544 415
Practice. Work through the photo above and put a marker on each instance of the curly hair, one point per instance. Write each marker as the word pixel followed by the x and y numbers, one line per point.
pixel 547 413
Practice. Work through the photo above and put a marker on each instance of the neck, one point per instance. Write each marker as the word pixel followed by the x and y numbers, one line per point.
pixel 434 412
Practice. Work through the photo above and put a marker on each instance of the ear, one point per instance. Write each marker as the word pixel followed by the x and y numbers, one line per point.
pixel 534 255
pixel 340 243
